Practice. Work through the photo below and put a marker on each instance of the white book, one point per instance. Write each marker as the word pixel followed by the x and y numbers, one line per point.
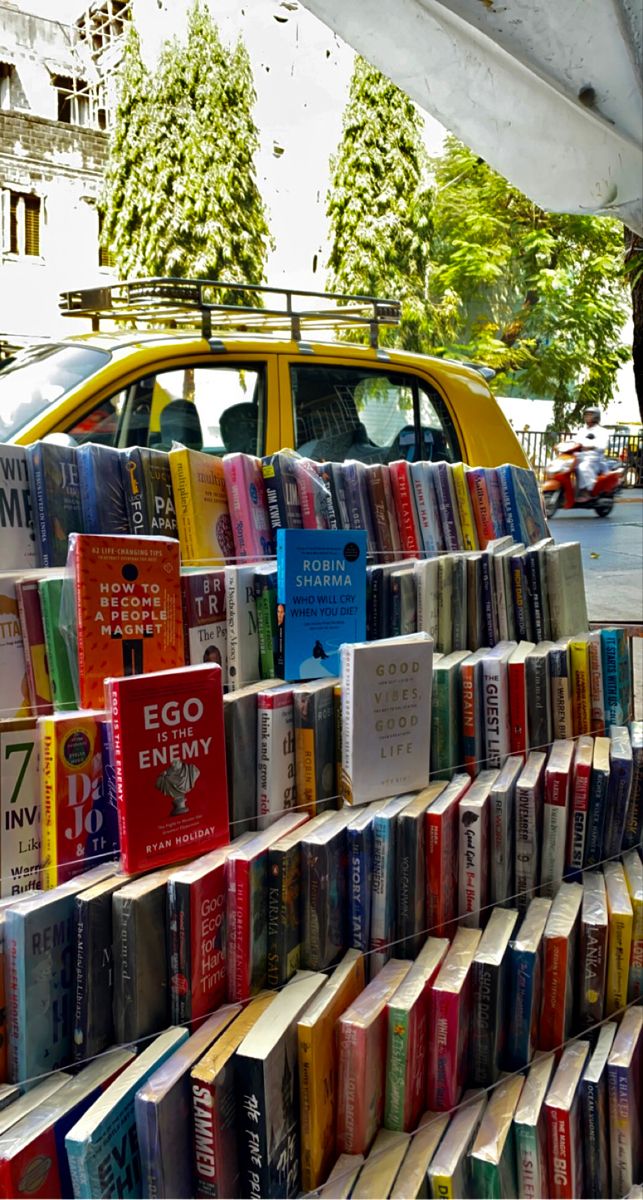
pixel 445 604
pixel 428 596
pixel 558 777
pixel 242 627
pixel 529 803
pixel 16 524
pixel 19 808
pixel 427 507
pixel 386 716
pixel 473 822
pixel 276 787
pixel 495 693
pixel 566 586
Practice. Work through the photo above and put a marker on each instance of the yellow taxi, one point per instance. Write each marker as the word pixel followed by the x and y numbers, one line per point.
pixel 197 362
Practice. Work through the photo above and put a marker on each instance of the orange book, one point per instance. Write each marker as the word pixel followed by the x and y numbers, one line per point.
pixel 128 608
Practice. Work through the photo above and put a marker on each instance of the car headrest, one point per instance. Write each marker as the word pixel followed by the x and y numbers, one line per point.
pixel 180 422
pixel 239 426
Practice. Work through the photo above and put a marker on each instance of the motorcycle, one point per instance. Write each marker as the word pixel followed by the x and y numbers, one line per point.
pixel 560 489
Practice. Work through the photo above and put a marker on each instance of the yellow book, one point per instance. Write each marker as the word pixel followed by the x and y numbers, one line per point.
pixel 71 777
pixel 619 944
pixel 633 868
pixel 201 501
pixel 467 521
pixel 580 685
pixel 318 1068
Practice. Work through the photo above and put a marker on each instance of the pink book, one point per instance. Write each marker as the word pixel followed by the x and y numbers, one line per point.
pixel 248 506
pixel 407 518
pixel 450 1011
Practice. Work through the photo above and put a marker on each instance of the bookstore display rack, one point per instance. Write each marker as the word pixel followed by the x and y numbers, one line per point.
pixel 321 813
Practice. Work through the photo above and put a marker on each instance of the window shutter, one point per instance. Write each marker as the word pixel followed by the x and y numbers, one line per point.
pixel 32 225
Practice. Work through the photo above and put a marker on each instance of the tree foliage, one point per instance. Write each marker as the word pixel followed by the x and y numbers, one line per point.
pixel 181 194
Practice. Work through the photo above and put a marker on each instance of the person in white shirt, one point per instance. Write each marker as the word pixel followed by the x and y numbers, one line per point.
pixel 594 441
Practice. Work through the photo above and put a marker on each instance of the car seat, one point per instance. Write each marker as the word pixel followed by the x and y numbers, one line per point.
pixel 435 448
pixel 239 426
pixel 179 422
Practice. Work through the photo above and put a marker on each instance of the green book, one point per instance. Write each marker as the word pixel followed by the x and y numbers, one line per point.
pixel 445 714
pixel 266 601
pixel 62 687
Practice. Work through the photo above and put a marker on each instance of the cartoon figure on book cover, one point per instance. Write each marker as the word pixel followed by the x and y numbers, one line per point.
pixel 132 647
pixel 176 781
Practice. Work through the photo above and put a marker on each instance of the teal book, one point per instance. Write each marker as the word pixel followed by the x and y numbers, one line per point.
pixel 266 601
pixel 321 597
pixel 62 684
pixel 616 676
pixel 446 720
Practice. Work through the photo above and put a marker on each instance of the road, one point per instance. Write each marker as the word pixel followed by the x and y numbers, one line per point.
pixel 612 551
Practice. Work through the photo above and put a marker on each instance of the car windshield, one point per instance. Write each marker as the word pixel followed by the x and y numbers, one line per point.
pixel 38 377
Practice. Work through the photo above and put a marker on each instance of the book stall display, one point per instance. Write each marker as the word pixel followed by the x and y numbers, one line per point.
pixel 321 857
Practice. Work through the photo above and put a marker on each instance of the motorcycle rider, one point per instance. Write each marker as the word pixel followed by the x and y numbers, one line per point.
pixel 593 440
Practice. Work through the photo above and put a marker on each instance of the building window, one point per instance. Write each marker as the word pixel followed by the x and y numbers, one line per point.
pixel 105 256
pixel 24 224
pixel 7 73
pixel 73 100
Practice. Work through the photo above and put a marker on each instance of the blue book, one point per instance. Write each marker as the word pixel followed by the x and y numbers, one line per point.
pixel 359 839
pixel 618 792
pixel 109 831
pixel 321 596
pixel 522 504
pixel 615 662
pixel 102 1147
pixel 102 497
pixel 163 1111
pixel 39 937
pixel 55 499
pixel 524 971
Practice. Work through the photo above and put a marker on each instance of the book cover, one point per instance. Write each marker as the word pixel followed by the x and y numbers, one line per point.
pixel 20 822
pixel 412 1179
pixel 473 866
pixel 410 872
pixel 579 805
pixel 633 832
pixel 38 952
pixel 167 731
pixel 446 712
pixel 317 1065
pixel 32 1155
pixel 407 1038
pixel 529 819
pixel 472 713
pixel 490 989
pixel 502 831
pixel 442 842
pixel 102 1147
pixel 450 1009
pixel 427 507
pixel 202 514
pixel 619 942
pixel 284 904
pixel 196 908
pixel 402 484
pixel 361 1055
pixel 33 636
pixel 563 1109
pixel 267 1094
pixel 240 721
pixel 214 1153
pixel 597 808
pixel 530 1131
pixel 324 910
pixel 248 506
pixel 592 963
pixel 14 688
pixel 618 791
pixel 127 608
pixel 493 1170
pixel 522 504
pixel 76 827
pixel 16 515
pixel 495 682
pixel 450 1167
pixel 102 498
pixel 525 984
pixel 141 977
pixel 265 585
pixel 616 676
pixel 93 982
pixel 163 1113
pixel 321 593
pixel 149 495
pixel 566 590
pixel 539 713
pixel 594 1115
pixel 558 778
pixel 448 505
pixel 275 766
pixel 386 713
pixel 60 677
pixel 561 696
pixel 55 499
pixel 624 1070
pixel 633 868
pixel 242 626
pixel 21 1104
pixel 314 726
pixel 560 964
pixel 280 482
pixel 204 610
pixel 359 847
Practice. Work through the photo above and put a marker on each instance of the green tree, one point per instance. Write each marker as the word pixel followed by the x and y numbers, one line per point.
pixel 540 296
pixel 379 204
pixel 181 195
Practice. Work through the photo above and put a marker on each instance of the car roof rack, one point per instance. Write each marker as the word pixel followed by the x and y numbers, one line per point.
pixel 215 304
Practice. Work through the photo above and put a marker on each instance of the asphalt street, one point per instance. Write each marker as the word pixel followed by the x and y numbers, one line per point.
pixel 612 549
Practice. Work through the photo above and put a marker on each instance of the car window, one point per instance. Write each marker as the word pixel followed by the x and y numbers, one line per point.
pixel 40 376
pixel 370 415
pixel 100 424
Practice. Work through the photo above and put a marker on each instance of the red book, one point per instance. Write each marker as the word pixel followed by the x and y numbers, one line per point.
pixel 128 608
pixel 482 506
pixel 450 1014
pixel 577 825
pixel 518 720
pixel 559 956
pixel 407 518
pixel 564 1127
pixel 442 842
pixel 169 757
pixel 33 636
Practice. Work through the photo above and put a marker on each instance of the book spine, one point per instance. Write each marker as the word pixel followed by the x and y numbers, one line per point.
pixel 561 704
pixel 485 1031
pixel 534 591
pixel 360 859
pixel 597 712
pixel 622 1130
pixel 555 983
pixel 633 832
pixel 467 525
pixel 14 955
pixel 527 844
pixel 448 512
pixel 598 789
pixel 396 1068
pixel 501 819
pixel 39 504
pixel 519 596
pixel 49 806
pixel 238 929
pixel 554 831
pixel 619 949
pixel 266 625
pixel 442 871
pixel 347 728
pixel 117 749
pixel 425 505
pixel 382 915
pixel 181 485
pixel 350 1099
pixel 618 795
pixel 496 712
pixel 580 687
pixel 444 1067
pixel 481 505
pixel 276 865
pixel 180 941
pixel 489 621
pixel 577 826
pixel 561 1154
pixel 473 863
pixel 377 498
pixel 615 702
pixel 253 1124
pixel 133 488
pixel 232 619
pixel 405 505
pixel 592 973
pixel 471 726
pixel 528 1162
pixel 518 708
pixel 509 506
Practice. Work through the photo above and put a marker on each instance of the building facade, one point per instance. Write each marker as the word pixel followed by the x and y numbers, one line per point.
pixel 56 85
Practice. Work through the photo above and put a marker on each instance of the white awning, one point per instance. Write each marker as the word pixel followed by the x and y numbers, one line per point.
pixel 548 92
